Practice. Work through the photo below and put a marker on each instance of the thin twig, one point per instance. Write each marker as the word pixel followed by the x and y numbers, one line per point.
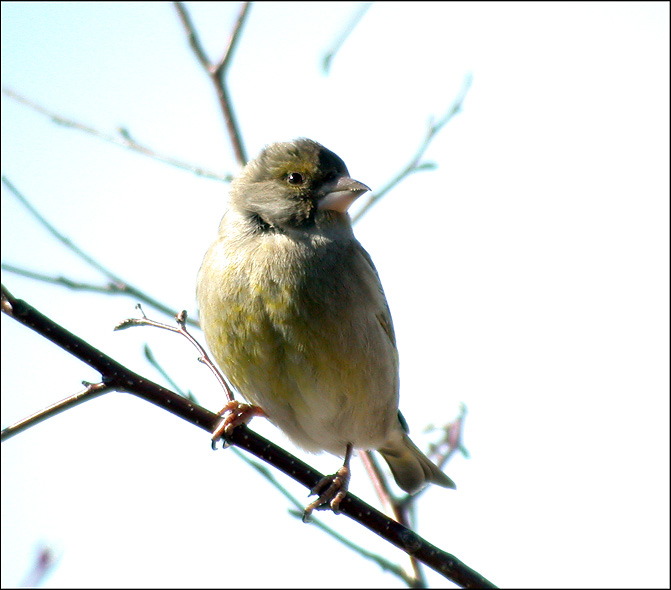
pixel 116 285
pixel 180 318
pixel 416 164
pixel 151 359
pixel 221 68
pixel 380 485
pixel 108 288
pixel 299 509
pixel 394 508
pixel 442 451
pixel 217 72
pixel 385 564
pixel 122 139
pixel 452 440
pixel 344 34
pixel 91 390
pixel 118 377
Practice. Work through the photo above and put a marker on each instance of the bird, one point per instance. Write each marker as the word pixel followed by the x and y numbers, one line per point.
pixel 294 313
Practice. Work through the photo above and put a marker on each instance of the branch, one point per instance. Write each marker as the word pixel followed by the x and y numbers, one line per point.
pixel 117 377
pixel 299 509
pixel 116 286
pixel 450 442
pixel 412 581
pixel 91 390
pixel 180 329
pixel 151 359
pixel 416 164
pixel 345 33
pixel 217 72
pixel 122 139
pixel 397 509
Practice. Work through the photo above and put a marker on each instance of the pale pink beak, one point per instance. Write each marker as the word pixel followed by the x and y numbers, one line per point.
pixel 341 194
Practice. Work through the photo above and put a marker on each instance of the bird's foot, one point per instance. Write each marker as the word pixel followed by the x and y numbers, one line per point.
pixel 332 490
pixel 233 414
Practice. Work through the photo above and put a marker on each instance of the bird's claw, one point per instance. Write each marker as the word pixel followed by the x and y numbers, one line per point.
pixel 332 490
pixel 233 414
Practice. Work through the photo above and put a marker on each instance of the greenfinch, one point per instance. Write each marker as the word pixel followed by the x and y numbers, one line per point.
pixel 294 313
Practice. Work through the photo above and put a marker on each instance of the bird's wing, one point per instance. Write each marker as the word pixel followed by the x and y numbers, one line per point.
pixel 383 315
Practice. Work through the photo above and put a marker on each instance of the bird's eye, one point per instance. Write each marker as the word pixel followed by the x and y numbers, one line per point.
pixel 295 178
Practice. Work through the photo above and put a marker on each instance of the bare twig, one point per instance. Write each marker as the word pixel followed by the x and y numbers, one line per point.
pixel 217 72
pixel 114 375
pixel 416 164
pixel 91 390
pixel 344 34
pixel 151 359
pixel 380 485
pixel 117 377
pixel 109 288
pixel 415 580
pixel 180 318
pixel 299 509
pixel 122 139
pixel 116 285
pixel 221 68
pixel 397 510
pixel 443 450
pixel 451 441
pixel 440 453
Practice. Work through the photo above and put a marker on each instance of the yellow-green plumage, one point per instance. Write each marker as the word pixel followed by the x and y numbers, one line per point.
pixel 295 316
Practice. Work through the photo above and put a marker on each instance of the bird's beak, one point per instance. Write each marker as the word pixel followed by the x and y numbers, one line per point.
pixel 341 194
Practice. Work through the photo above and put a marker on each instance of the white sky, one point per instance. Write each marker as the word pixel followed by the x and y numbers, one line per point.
pixel 528 277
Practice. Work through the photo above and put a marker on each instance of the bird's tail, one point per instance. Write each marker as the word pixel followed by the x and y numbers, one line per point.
pixel 411 468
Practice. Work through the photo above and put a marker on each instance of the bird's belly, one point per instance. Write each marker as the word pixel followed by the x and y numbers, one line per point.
pixel 323 379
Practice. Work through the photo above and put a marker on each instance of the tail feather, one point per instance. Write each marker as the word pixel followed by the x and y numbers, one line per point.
pixel 411 468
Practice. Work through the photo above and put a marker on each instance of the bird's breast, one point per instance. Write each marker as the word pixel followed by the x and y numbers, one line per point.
pixel 294 327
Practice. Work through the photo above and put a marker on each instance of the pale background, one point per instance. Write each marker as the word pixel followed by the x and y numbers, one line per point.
pixel 527 277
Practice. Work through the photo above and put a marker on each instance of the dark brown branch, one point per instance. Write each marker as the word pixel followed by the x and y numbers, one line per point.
pixel 414 580
pixel 116 285
pixel 122 139
pixel 116 376
pixel 217 72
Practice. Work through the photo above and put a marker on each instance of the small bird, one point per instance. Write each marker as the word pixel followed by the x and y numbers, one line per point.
pixel 295 316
